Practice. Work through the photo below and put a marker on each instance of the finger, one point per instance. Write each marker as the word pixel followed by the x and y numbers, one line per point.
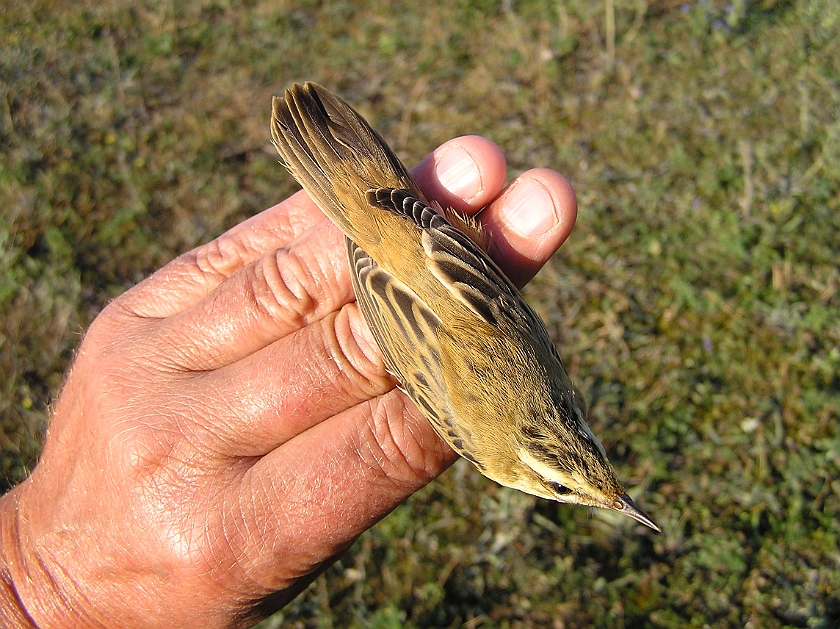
pixel 193 275
pixel 529 221
pixel 306 500
pixel 280 293
pixel 465 173
pixel 282 390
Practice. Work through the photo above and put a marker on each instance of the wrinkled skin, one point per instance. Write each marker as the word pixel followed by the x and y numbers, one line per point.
pixel 228 428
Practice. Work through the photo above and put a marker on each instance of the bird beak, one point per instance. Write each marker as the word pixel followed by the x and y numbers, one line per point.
pixel 623 504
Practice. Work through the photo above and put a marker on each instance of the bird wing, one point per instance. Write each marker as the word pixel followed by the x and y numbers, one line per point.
pixel 463 267
pixel 403 325
pixel 405 330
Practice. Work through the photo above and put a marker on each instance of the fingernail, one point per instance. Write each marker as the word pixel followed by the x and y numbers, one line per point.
pixel 528 209
pixel 458 172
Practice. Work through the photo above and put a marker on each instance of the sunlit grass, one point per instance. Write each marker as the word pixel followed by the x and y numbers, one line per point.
pixel 697 303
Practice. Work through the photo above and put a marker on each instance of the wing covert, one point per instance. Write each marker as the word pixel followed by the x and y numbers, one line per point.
pixel 461 265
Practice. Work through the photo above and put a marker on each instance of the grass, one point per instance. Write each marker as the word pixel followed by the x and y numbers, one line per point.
pixel 697 302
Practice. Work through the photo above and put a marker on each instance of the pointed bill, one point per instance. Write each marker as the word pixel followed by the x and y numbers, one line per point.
pixel 623 504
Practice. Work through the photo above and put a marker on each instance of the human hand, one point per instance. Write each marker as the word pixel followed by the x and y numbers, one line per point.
pixel 228 428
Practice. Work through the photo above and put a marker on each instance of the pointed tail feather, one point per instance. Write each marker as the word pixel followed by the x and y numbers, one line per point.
pixel 333 153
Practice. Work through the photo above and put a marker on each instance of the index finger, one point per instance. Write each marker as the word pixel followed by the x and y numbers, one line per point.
pixel 193 275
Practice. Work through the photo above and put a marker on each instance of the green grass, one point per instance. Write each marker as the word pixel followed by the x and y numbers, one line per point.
pixel 697 303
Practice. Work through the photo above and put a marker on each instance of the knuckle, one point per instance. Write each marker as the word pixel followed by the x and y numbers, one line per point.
pixel 284 287
pixel 218 259
pixel 354 369
pixel 108 337
pixel 402 444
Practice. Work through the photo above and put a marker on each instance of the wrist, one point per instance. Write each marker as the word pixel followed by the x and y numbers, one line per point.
pixel 35 590
pixel 13 613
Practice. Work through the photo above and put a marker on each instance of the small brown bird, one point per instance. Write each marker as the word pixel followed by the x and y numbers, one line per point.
pixel 453 329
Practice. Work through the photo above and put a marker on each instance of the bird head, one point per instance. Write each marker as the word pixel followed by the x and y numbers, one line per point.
pixel 562 460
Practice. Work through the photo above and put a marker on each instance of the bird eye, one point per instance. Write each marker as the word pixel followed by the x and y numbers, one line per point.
pixel 559 489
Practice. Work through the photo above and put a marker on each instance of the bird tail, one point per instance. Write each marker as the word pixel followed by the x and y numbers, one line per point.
pixel 334 154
